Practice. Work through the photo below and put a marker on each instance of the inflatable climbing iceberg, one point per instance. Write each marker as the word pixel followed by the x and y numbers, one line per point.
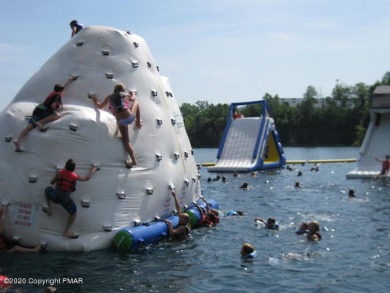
pixel 116 197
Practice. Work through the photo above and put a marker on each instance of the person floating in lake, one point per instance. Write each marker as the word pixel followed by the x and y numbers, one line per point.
pixel 126 110
pixel 43 113
pixel 75 27
pixel 315 168
pixel 270 224
pixel 182 230
pixel 65 180
pixel 311 230
pixel 248 251
pixel 385 166
pixel 10 247
pixel 234 213
pixel 297 185
pixel 351 193
pixel 211 210
pixel 208 216
pixel 244 186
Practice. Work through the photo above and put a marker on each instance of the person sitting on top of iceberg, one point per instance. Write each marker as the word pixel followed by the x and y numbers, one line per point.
pixel 45 112
pixel 65 180
pixel 75 27
pixel 183 230
pixel 125 109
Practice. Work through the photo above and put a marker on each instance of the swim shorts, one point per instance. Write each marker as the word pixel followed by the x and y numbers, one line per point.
pixel 62 198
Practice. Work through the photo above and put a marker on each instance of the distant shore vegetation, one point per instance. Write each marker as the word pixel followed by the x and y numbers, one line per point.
pixel 341 119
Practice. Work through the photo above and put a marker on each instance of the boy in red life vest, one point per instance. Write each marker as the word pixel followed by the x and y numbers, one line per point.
pixel 65 181
pixel 44 112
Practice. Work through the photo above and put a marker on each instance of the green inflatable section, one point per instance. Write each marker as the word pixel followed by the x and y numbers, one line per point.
pixel 123 240
pixel 193 219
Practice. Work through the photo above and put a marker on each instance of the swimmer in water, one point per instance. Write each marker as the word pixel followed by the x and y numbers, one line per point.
pixel 269 224
pixel 244 186
pixel 235 213
pixel 183 229
pixel 248 250
pixel 311 230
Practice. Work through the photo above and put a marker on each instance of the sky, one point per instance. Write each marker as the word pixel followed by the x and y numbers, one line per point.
pixel 220 51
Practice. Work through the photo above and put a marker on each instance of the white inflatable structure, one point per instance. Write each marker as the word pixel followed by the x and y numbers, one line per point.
pixel 115 197
pixel 376 141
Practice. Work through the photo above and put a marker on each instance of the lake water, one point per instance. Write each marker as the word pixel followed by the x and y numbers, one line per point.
pixel 353 256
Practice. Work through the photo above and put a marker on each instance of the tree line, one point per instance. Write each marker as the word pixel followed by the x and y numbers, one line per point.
pixel 340 120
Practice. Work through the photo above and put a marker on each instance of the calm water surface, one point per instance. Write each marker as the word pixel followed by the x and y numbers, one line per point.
pixel 353 256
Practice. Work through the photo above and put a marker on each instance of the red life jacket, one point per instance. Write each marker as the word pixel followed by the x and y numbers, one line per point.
pixel 4 282
pixel 53 97
pixel 67 180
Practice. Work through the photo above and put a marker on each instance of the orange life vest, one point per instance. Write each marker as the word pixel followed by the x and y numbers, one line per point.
pixel 67 180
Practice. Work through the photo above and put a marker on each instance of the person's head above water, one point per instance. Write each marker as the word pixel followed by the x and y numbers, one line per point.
pixel 313 226
pixel 244 185
pixel 247 250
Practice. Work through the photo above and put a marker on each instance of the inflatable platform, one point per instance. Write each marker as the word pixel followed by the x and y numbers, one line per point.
pixel 376 143
pixel 141 235
pixel 250 143
pixel 116 197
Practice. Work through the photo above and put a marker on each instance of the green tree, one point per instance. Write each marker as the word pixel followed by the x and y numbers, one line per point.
pixel 204 122
pixel 361 111
pixel 386 78
pixel 307 118
pixel 342 119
